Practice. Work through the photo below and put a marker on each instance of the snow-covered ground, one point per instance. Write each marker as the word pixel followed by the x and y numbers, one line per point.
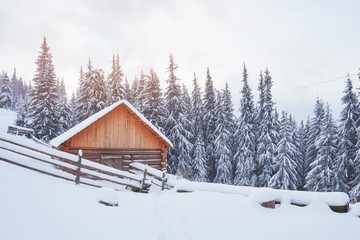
pixel 35 206
pixel 7 118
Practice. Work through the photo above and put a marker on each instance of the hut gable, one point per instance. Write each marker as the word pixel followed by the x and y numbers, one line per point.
pixel 117 126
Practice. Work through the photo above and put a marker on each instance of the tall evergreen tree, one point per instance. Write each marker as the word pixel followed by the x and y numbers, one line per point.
pixel 128 95
pixel 65 111
pixel 199 167
pixel 301 154
pixel 209 124
pixel 44 107
pixel 285 176
pixel 140 94
pixel 173 107
pixel 245 136
pixel 223 153
pixel 82 98
pixel 154 109
pixel 321 175
pixel 267 142
pixel 348 139
pixel 6 93
pixel 314 131
pixel 115 81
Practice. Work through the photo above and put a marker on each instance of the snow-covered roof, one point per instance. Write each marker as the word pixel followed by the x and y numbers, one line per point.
pixel 87 122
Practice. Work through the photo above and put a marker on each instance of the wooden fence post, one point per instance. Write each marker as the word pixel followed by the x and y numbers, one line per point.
pixel 163 180
pixel 77 179
pixel 143 181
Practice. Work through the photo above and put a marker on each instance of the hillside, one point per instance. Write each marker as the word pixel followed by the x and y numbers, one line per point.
pixel 37 206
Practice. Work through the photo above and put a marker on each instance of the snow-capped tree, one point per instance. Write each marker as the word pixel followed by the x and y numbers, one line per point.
pixel 267 138
pixel 302 133
pixel 209 124
pixel 245 137
pixel 285 174
pixel 173 107
pixel 128 95
pixel 44 101
pixel 5 93
pixel 154 109
pixel 223 153
pixel 348 139
pixel 82 98
pixel 199 166
pixel 92 92
pixel 115 81
pixel 321 175
pixel 140 93
pixel 65 111
pixel 313 133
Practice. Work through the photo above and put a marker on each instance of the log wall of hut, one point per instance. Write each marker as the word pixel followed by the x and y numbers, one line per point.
pixel 121 158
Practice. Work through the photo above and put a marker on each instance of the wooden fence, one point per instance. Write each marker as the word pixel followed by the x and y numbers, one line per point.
pixel 27 154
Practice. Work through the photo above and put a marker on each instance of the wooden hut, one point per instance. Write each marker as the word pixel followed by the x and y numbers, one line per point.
pixel 116 136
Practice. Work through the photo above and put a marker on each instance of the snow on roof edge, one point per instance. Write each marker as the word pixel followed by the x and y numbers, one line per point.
pixel 87 122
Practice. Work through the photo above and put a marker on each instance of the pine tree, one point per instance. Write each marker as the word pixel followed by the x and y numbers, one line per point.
pixel 154 109
pixel 285 176
pixel 82 98
pixel 223 154
pixel 348 139
pixel 245 136
pixel 302 133
pixel 65 111
pixel 5 93
pixel 183 136
pixel 321 176
pixel 140 94
pixel 16 90
pixel 173 107
pixel 313 133
pixel 115 81
pixel 128 95
pixel 199 167
pixel 267 140
pixel 43 106
pixel 209 124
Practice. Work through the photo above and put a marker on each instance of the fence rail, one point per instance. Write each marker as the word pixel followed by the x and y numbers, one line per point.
pixel 25 153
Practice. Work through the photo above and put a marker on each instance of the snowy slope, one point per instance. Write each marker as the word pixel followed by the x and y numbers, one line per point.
pixel 35 206
pixel 7 118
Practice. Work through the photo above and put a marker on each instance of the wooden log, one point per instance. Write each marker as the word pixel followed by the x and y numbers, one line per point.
pixel 269 204
pixel 77 180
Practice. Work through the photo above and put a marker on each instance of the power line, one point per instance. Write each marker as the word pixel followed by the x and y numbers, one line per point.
pixel 317 83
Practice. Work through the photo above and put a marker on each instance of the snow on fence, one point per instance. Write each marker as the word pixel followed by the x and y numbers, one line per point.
pixel 28 154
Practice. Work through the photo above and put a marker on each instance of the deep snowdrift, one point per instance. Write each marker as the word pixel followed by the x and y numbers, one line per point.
pixel 35 206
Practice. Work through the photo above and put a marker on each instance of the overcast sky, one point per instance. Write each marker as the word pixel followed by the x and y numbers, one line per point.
pixel 301 42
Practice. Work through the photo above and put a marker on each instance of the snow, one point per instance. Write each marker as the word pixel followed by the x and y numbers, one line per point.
pixel 8 118
pixel 87 122
pixel 108 195
pixel 48 208
pixel 355 210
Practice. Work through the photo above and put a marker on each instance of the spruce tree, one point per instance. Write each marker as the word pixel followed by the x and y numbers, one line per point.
pixel 82 98
pixel 321 176
pixel 267 131
pixel 302 133
pixel 173 107
pixel 65 111
pixel 140 94
pixel 348 139
pixel 245 174
pixel 285 176
pixel 199 167
pixel 154 109
pixel 6 93
pixel 128 95
pixel 223 153
pixel 209 124
pixel 115 81
pixel 313 133
pixel 44 101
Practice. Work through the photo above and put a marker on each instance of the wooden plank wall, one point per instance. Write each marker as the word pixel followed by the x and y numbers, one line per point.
pixel 151 157
pixel 120 128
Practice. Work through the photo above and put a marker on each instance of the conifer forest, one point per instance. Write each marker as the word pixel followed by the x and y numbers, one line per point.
pixel 255 145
